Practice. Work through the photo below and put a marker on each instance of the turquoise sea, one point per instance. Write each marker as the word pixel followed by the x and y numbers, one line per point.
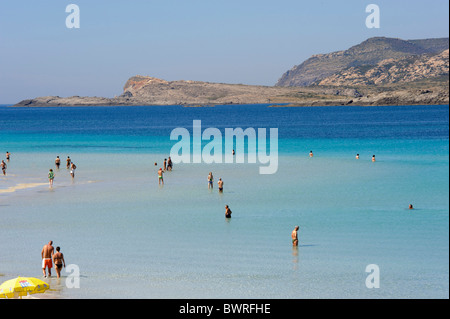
pixel 131 238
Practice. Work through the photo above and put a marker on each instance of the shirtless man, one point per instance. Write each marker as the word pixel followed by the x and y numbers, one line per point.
pixel 68 161
pixel 160 177
pixel 57 162
pixel 3 166
pixel 8 154
pixel 169 164
pixel 58 260
pixel 373 158
pixel 220 183
pixel 311 154
pixel 227 212
pixel 47 254
pixel 357 156
pixel 165 164
pixel 295 236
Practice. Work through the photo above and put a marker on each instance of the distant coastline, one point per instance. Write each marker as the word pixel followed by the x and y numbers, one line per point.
pixel 378 71
pixel 428 94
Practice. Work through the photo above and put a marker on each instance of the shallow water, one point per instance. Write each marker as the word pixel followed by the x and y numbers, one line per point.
pixel 131 238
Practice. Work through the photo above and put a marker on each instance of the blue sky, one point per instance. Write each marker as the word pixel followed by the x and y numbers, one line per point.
pixel 246 41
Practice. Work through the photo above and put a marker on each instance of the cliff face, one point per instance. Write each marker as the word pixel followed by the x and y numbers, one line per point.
pixel 364 55
pixel 392 71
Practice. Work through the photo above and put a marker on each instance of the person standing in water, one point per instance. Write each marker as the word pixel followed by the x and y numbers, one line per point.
pixel 57 162
pixel 58 260
pixel 46 255
pixel 160 177
pixel 311 154
pixel 73 167
pixel 8 154
pixel 357 156
pixel 165 164
pixel 68 161
pixel 169 164
pixel 294 236
pixel 3 166
pixel 373 158
pixel 227 212
pixel 210 180
pixel 220 183
pixel 51 177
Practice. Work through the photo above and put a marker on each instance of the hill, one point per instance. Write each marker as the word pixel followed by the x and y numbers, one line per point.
pixel 363 56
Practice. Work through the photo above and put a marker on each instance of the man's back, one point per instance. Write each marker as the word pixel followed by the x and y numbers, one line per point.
pixel 47 251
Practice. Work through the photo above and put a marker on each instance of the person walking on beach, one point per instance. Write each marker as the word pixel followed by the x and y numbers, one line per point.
pixel 220 183
pixel 210 180
pixel 160 177
pixel 47 254
pixel 57 162
pixel 8 154
pixel 169 164
pixel 295 236
pixel 58 260
pixel 51 177
pixel 73 167
pixel 3 166
pixel 227 212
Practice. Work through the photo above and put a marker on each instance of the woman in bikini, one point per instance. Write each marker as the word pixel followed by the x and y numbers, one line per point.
pixel 59 262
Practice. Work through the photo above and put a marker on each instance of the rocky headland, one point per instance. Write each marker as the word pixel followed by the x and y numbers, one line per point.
pixel 378 71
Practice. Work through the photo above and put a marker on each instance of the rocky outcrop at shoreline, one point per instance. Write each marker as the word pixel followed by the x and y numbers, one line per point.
pixel 144 91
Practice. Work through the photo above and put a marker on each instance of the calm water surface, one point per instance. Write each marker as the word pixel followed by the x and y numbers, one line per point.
pixel 131 238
